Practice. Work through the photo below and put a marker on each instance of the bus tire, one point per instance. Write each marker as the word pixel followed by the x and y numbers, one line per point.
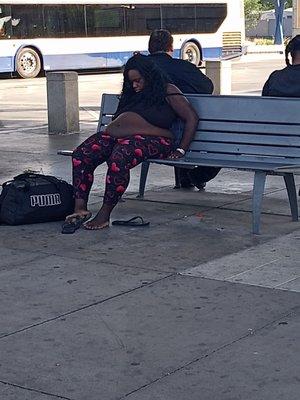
pixel 28 63
pixel 191 52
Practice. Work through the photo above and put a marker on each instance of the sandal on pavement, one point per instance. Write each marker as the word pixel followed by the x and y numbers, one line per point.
pixel 135 221
pixel 74 223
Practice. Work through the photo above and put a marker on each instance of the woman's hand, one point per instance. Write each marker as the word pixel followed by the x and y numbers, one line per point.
pixel 176 154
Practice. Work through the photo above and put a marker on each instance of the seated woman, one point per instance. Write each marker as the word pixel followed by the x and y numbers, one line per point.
pixel 139 130
pixel 286 82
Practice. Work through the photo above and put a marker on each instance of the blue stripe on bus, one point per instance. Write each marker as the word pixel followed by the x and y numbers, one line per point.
pixel 94 60
pixel 6 64
pixel 107 60
pixel 208 53
pixel 212 53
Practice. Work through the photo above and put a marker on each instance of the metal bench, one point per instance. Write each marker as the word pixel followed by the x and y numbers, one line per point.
pixel 260 134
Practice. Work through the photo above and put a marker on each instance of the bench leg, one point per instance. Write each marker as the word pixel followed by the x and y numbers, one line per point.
pixel 177 178
pixel 143 178
pixel 258 192
pixel 292 194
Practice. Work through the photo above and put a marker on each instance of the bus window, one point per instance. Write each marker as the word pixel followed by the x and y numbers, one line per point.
pixel 142 19
pixel 179 18
pixel 64 21
pixel 105 20
pixel 5 22
pixel 27 22
pixel 209 17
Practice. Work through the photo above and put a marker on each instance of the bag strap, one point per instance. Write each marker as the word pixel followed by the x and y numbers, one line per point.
pixel 29 175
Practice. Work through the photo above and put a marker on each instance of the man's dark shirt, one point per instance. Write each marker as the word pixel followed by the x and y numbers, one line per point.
pixel 283 83
pixel 183 74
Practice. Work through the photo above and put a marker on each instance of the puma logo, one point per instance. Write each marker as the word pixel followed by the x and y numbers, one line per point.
pixel 45 200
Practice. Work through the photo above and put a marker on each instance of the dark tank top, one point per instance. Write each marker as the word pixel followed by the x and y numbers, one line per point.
pixel 161 115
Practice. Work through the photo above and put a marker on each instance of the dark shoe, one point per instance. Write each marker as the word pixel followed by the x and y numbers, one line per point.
pixel 186 184
pixel 72 223
pixel 182 179
pixel 200 185
pixel 135 221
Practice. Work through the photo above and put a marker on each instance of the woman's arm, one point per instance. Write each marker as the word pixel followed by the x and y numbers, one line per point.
pixel 185 111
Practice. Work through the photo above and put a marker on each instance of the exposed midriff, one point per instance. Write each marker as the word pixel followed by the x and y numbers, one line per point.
pixel 130 123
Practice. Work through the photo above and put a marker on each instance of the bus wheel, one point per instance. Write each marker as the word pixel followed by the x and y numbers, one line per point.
pixel 28 63
pixel 191 53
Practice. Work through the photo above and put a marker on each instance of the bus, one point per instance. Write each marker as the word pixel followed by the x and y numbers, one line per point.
pixel 74 35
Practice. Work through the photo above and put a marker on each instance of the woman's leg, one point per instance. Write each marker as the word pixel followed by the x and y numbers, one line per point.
pixel 86 158
pixel 127 153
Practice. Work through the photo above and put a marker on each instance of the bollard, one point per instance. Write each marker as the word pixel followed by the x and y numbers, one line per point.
pixel 220 73
pixel 63 104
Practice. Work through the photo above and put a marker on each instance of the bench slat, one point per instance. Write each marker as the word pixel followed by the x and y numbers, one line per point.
pixel 106 119
pixel 230 163
pixel 191 155
pixel 250 127
pixel 109 103
pixel 233 148
pixel 236 108
pixel 228 137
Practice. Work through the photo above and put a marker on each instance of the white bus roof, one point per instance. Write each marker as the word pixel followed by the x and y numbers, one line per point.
pixel 114 2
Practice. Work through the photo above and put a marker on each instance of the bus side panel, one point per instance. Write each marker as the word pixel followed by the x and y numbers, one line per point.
pixel 212 53
pixel 6 64
pixel 88 53
pixel 86 60
pixel 7 55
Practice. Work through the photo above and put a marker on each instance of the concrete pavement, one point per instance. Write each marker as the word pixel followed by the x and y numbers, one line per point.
pixel 192 307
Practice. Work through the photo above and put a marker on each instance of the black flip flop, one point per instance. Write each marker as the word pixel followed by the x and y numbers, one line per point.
pixel 69 227
pixel 135 221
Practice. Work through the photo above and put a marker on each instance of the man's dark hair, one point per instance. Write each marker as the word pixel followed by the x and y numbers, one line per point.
pixel 292 47
pixel 156 83
pixel 160 40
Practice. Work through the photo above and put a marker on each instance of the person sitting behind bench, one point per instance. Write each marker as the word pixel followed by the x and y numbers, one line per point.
pixel 286 82
pixel 189 79
pixel 139 130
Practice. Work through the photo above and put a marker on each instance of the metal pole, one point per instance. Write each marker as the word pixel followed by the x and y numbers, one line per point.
pixel 296 17
pixel 279 7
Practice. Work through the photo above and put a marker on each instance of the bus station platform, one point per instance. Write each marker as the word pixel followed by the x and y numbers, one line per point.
pixel 193 306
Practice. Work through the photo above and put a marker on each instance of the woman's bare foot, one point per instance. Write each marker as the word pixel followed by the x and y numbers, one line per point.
pixel 80 212
pixel 96 224
pixel 79 215
pixel 101 220
pixel 75 220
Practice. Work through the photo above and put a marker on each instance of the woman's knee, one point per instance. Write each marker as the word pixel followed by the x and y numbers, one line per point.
pixel 77 153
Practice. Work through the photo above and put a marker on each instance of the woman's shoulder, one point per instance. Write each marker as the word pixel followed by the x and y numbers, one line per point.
pixel 172 89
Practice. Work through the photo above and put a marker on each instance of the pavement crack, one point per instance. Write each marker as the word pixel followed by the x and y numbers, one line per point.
pixel 40 256
pixel 210 353
pixel 114 334
pixel 56 396
pixel 43 254
pixel 86 306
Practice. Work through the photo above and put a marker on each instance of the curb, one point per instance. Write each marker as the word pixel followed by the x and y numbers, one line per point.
pixel 265 49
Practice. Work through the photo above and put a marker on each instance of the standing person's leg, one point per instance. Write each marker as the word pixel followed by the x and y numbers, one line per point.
pixel 127 153
pixel 85 159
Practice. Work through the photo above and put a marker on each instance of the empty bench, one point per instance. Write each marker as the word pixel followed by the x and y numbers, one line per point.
pixel 259 134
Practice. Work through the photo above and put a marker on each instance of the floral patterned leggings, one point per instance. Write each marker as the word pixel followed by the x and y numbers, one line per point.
pixel 120 155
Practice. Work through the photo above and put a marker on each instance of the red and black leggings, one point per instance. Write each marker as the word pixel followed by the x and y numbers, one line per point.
pixel 120 155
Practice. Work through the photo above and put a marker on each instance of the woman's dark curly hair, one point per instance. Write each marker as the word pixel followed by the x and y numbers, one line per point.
pixel 292 47
pixel 155 89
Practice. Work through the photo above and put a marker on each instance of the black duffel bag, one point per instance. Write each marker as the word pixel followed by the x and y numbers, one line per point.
pixel 30 198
